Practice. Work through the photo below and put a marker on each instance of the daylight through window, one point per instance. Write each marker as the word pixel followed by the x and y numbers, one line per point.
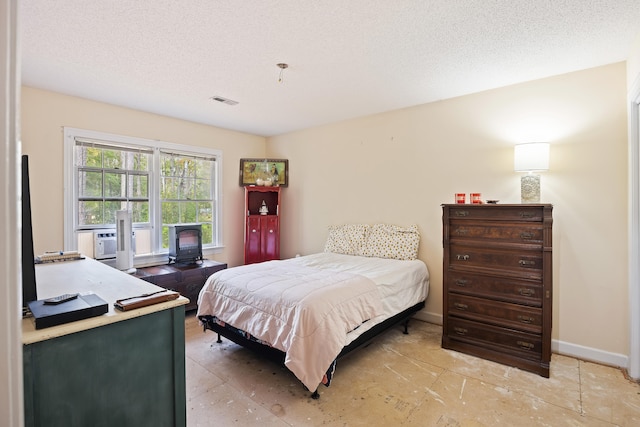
pixel 160 183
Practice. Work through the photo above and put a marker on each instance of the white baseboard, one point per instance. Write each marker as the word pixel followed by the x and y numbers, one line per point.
pixel 425 316
pixel 590 354
pixel 560 347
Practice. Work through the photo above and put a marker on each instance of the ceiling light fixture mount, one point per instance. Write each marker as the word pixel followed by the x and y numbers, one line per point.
pixel 282 67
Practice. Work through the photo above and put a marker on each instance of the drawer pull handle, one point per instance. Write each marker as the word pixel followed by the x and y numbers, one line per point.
pixel 461 282
pixel 527 214
pixel 462 257
pixel 526 236
pixel 526 292
pixel 525 345
pixel 460 331
pixel 461 231
pixel 461 213
pixel 460 306
pixel 525 319
pixel 526 263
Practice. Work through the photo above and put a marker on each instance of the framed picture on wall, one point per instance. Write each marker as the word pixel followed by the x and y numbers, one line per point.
pixel 264 172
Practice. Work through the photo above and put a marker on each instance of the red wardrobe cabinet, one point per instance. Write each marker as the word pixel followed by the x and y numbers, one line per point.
pixel 262 224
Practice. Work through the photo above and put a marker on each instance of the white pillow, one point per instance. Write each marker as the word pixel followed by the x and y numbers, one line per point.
pixel 391 241
pixel 346 239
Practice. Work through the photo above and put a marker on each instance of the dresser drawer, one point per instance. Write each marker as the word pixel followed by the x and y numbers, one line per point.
pixel 520 344
pixel 191 290
pixel 209 270
pixel 498 313
pixel 509 232
pixel 494 287
pixel 504 213
pixel 193 273
pixel 168 280
pixel 527 264
pixel 188 279
pixel 161 275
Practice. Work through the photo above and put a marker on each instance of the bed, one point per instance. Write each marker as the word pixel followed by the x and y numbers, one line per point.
pixel 307 312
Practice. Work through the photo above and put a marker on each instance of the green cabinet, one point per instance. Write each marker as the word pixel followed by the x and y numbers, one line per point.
pixel 127 373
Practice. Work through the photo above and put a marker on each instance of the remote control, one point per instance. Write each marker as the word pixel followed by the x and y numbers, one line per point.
pixel 60 299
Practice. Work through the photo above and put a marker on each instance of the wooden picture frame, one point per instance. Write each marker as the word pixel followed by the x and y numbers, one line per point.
pixel 252 169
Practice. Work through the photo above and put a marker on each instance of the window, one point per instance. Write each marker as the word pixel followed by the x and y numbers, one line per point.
pixel 186 193
pixel 159 182
pixel 110 178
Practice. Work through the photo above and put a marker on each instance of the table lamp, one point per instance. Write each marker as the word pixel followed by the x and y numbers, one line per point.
pixel 531 157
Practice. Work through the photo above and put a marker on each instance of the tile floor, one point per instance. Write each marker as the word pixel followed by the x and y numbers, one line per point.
pixel 404 380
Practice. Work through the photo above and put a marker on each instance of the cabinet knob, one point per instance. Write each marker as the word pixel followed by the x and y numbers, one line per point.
pixel 270 231
pixel 460 257
pixel 253 231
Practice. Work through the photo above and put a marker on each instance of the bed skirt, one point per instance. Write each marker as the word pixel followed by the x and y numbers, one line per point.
pixel 239 337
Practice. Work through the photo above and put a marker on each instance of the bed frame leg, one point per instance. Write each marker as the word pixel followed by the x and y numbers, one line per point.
pixel 315 395
pixel 219 340
pixel 406 327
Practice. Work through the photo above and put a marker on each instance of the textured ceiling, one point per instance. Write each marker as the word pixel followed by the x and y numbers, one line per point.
pixel 347 58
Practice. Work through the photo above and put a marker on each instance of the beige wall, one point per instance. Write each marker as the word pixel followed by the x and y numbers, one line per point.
pixel 398 167
pixel 44 114
pixel 633 63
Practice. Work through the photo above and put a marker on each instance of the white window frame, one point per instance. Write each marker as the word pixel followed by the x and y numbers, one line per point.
pixel 159 255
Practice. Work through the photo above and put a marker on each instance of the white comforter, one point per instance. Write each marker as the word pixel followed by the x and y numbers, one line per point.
pixel 303 311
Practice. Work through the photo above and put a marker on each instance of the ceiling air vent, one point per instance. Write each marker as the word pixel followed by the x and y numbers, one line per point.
pixel 224 100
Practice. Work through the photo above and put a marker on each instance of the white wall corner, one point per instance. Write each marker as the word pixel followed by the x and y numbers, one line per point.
pixel 633 366
pixel 428 317
pixel 11 383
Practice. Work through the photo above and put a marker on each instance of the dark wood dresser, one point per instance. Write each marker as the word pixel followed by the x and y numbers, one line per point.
pixel 188 279
pixel 497 283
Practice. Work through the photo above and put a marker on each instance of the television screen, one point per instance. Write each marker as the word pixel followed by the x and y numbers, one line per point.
pixel 29 292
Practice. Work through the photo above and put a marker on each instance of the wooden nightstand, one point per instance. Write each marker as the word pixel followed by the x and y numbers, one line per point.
pixel 188 279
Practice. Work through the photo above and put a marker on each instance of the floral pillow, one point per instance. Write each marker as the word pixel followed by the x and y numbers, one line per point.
pixel 347 239
pixel 391 241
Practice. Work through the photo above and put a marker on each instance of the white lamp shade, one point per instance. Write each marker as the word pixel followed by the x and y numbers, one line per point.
pixel 531 157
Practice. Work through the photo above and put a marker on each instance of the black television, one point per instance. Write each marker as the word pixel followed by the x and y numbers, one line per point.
pixel 185 243
pixel 29 292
